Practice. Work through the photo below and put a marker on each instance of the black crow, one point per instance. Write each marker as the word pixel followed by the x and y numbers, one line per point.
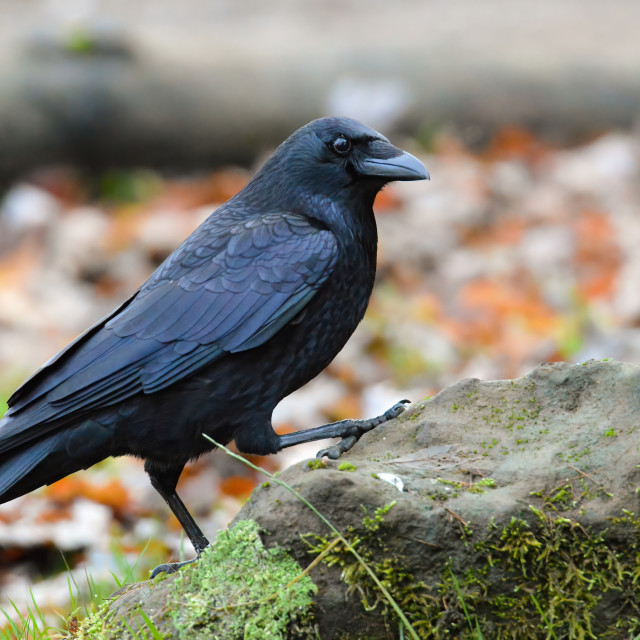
pixel 252 305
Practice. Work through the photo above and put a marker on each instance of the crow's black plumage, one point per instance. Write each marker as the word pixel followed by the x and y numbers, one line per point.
pixel 255 303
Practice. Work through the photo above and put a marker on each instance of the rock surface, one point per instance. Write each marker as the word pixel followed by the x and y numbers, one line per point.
pixel 562 442
pixel 515 509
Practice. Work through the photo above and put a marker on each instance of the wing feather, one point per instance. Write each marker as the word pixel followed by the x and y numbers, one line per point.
pixel 230 287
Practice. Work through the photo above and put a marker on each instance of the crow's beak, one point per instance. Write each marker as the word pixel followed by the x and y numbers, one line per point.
pixel 392 163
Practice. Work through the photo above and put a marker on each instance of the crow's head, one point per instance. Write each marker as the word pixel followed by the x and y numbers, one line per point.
pixel 340 159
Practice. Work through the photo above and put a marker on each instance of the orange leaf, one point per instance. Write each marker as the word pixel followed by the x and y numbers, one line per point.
pixel 516 143
pixel 65 490
pixel 125 224
pixel 111 493
pixel 597 255
pixel 348 407
pixel 345 373
pixel 496 303
pixel 503 231
pixel 16 267
pixel 54 514
pixel 224 184
pixel 237 486
pixel 286 427
pixel 387 200
pixel 426 308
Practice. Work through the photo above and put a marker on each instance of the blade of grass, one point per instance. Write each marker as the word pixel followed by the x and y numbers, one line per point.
pixel 13 627
pixel 25 626
pixel 544 618
pixel 73 602
pixel 134 634
pixel 37 609
pixel 24 622
pixel 473 628
pixel 125 568
pixel 155 632
pixel 72 578
pixel 456 586
pixel 37 632
pixel 345 542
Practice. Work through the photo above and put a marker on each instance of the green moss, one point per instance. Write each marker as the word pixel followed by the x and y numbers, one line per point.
pixel 573 494
pixel 514 419
pixel 452 483
pixel 576 456
pixel 412 596
pixel 346 466
pixel 316 463
pixel 97 625
pixel 489 445
pixel 552 577
pixel 458 486
pixel 562 497
pixel 238 590
pixel 485 482
pixel 541 576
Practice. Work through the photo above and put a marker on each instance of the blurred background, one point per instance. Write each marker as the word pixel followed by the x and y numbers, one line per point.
pixel 124 124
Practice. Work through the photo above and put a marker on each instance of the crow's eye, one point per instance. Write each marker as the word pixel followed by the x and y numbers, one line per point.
pixel 341 145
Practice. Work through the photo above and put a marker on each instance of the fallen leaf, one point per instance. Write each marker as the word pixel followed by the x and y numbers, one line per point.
pixel 237 486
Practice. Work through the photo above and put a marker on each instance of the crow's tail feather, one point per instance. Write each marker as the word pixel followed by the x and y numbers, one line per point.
pixel 29 468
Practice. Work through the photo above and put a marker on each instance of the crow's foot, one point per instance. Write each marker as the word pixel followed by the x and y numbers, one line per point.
pixel 354 429
pixel 172 567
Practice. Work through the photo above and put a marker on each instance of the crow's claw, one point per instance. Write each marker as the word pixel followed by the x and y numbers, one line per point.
pixel 172 567
pixel 336 450
pixel 354 429
pixel 397 409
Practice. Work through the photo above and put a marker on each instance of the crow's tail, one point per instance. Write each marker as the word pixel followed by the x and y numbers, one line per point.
pixel 27 464
pixel 27 468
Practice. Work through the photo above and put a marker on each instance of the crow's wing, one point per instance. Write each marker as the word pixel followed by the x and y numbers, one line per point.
pixel 228 288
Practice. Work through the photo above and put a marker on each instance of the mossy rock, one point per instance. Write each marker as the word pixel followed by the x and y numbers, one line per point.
pixel 518 516
pixel 237 590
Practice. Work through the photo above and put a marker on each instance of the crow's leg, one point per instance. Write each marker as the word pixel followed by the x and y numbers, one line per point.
pixel 164 481
pixel 349 430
